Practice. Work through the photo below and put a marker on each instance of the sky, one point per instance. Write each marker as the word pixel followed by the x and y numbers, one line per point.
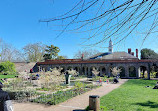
pixel 19 26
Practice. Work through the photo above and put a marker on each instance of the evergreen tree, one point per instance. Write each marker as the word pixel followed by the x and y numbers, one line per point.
pixel 51 52
pixel 148 54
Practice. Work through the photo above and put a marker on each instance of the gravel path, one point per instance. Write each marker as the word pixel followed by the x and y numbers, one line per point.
pixel 79 102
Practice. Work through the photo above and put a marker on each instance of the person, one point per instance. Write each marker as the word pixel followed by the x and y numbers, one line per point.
pixel 5 102
pixel 156 86
pixel 31 71
pixel 116 79
pixel 100 81
pixel 37 76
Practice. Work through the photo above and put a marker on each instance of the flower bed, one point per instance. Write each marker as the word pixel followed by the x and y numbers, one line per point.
pixel 61 96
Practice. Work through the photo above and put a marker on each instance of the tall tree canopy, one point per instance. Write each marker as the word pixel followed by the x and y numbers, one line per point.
pixel 34 52
pixel 148 54
pixel 51 52
pixel 9 53
pixel 105 19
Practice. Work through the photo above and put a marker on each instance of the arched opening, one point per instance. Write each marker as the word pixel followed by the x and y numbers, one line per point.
pixel 143 72
pixel 57 67
pixel 110 71
pixel 91 69
pixel 48 68
pixel 77 69
pixel 102 71
pixel 122 73
pixel 69 68
pixel 62 69
pixel 132 71
pixel 154 71
pixel 84 70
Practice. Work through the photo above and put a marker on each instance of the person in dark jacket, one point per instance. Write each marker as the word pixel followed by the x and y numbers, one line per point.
pixel 5 102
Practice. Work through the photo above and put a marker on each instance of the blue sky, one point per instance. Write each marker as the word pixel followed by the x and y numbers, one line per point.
pixel 19 26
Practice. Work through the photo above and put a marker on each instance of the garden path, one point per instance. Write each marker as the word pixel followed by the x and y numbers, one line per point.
pixel 77 103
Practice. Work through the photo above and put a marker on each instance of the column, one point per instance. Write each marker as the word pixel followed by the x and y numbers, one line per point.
pixel 148 70
pixel 137 72
pixel 127 71
pixel 89 71
pixel 85 69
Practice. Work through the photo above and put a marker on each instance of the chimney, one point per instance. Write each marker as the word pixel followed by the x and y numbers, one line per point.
pixel 137 53
pixel 129 50
pixel 82 56
pixel 132 53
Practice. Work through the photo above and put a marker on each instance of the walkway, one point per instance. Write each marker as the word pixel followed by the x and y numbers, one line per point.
pixel 78 102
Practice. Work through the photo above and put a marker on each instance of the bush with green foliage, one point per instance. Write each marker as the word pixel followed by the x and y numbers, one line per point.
pixel 148 54
pixel 79 84
pixel 20 94
pixel 7 67
pixel 153 74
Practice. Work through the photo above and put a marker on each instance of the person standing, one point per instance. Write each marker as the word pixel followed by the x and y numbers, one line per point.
pixel 5 102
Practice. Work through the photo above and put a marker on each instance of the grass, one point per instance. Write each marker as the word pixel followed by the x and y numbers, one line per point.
pixel 132 96
pixel 7 76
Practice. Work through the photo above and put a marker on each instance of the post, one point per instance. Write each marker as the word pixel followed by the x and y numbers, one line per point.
pixel 148 71
pixel 94 102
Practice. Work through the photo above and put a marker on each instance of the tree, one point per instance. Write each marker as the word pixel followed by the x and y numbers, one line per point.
pixel 34 52
pixel 9 53
pixel 51 52
pixel 7 67
pixel 62 57
pixel 148 54
pixel 109 19
pixel 52 78
pixel 72 72
pixel 115 71
pixel 86 53
pixel 95 71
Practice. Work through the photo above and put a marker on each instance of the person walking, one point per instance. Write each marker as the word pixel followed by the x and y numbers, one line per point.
pixel 5 102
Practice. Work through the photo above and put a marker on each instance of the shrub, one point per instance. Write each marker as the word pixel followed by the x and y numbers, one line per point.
pixel 95 78
pixel 7 67
pixel 20 94
pixel 72 78
pixel 79 84
pixel 153 74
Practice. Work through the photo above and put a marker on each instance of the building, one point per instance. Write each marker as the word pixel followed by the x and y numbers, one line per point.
pixel 128 63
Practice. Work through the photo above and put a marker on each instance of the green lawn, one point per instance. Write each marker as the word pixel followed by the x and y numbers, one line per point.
pixel 132 96
pixel 7 76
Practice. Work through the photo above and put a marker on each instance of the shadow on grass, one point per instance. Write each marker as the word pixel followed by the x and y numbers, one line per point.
pixel 148 104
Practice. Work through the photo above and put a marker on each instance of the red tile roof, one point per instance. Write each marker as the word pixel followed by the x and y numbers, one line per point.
pixel 79 61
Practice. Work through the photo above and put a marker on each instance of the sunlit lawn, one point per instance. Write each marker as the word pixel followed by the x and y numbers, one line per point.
pixel 7 76
pixel 132 96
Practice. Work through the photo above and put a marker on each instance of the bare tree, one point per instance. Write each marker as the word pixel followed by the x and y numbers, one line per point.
pixel 52 77
pixel 105 19
pixel 95 71
pixel 72 72
pixel 86 53
pixel 115 71
pixel 9 53
pixel 34 52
